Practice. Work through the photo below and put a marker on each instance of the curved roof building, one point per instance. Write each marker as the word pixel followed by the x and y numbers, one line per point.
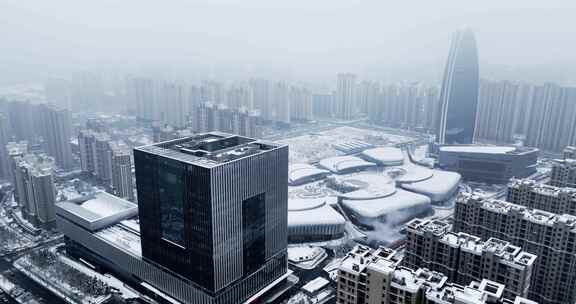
pixel 299 174
pixel 459 95
pixel 386 156
pixel 313 219
pixel 395 208
pixel 441 186
pixel 345 164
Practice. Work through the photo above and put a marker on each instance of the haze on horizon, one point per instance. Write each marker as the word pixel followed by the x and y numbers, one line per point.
pixel 301 38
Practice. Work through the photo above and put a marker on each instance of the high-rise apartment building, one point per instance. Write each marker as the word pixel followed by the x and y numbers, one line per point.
pixel 563 173
pixel 323 105
pixel 122 179
pixel 213 209
pixel 301 104
pixel 569 152
pixel 5 170
pixel 466 258
pixel 16 150
pixel 85 143
pixel 346 107
pixel 102 157
pixel 35 186
pixel 57 134
pixel 368 276
pixel 459 95
pixel 550 236
pixel 529 193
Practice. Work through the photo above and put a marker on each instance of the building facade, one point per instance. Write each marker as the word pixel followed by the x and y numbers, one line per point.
pixel 464 258
pixel 563 173
pixel 368 276
pixel 535 195
pixel 213 208
pixel 489 164
pixel 57 134
pixel 459 94
pixel 550 236
pixel 34 182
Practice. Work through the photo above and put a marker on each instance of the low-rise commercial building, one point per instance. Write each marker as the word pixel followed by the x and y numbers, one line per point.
pixel 489 164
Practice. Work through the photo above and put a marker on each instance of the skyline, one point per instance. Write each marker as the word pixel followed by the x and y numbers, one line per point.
pixel 294 40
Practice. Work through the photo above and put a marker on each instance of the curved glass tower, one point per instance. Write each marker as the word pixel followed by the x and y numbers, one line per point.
pixel 459 95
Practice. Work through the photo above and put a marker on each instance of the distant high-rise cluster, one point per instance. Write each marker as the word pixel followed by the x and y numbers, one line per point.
pixel 212 117
pixel 178 105
pixel 459 95
pixel 542 116
pixel 107 160
pixel 42 125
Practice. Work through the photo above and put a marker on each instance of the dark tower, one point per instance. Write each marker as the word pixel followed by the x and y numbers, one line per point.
pixel 459 95
pixel 213 208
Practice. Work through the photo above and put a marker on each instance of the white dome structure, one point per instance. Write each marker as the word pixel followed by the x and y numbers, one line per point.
pixel 299 174
pixel 313 219
pixel 385 156
pixel 345 164
pixel 396 208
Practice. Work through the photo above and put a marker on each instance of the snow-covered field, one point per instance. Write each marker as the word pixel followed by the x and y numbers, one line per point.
pixel 316 146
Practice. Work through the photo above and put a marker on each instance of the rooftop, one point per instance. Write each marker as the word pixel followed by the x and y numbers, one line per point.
pixel 209 149
pixel 543 189
pixel 487 149
pixel 97 211
pixel 532 215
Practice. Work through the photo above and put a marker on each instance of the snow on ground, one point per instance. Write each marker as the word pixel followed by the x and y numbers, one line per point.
pixel 316 146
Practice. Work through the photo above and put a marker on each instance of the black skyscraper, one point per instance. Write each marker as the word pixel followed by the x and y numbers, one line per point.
pixel 213 208
pixel 459 96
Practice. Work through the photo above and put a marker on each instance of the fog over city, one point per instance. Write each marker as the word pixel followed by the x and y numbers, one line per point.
pixel 299 39
pixel 287 152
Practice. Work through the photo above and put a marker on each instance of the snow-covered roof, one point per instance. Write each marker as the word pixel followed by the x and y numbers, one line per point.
pixel 341 164
pixel 302 173
pixel 411 173
pixel 315 285
pixel 311 212
pixel 370 184
pixel 96 211
pixel 441 186
pixel 387 156
pixel 478 149
pixel 378 207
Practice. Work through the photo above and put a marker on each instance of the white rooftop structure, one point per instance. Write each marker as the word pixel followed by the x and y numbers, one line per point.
pixel 387 156
pixel 368 184
pixel 479 149
pixel 439 187
pixel 313 218
pixel 400 206
pixel 344 164
pixel 315 285
pixel 97 211
pixel 304 173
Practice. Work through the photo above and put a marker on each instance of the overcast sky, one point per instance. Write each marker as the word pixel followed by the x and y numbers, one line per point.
pixel 304 35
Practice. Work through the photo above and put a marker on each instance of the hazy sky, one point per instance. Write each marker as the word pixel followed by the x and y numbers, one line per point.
pixel 305 35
